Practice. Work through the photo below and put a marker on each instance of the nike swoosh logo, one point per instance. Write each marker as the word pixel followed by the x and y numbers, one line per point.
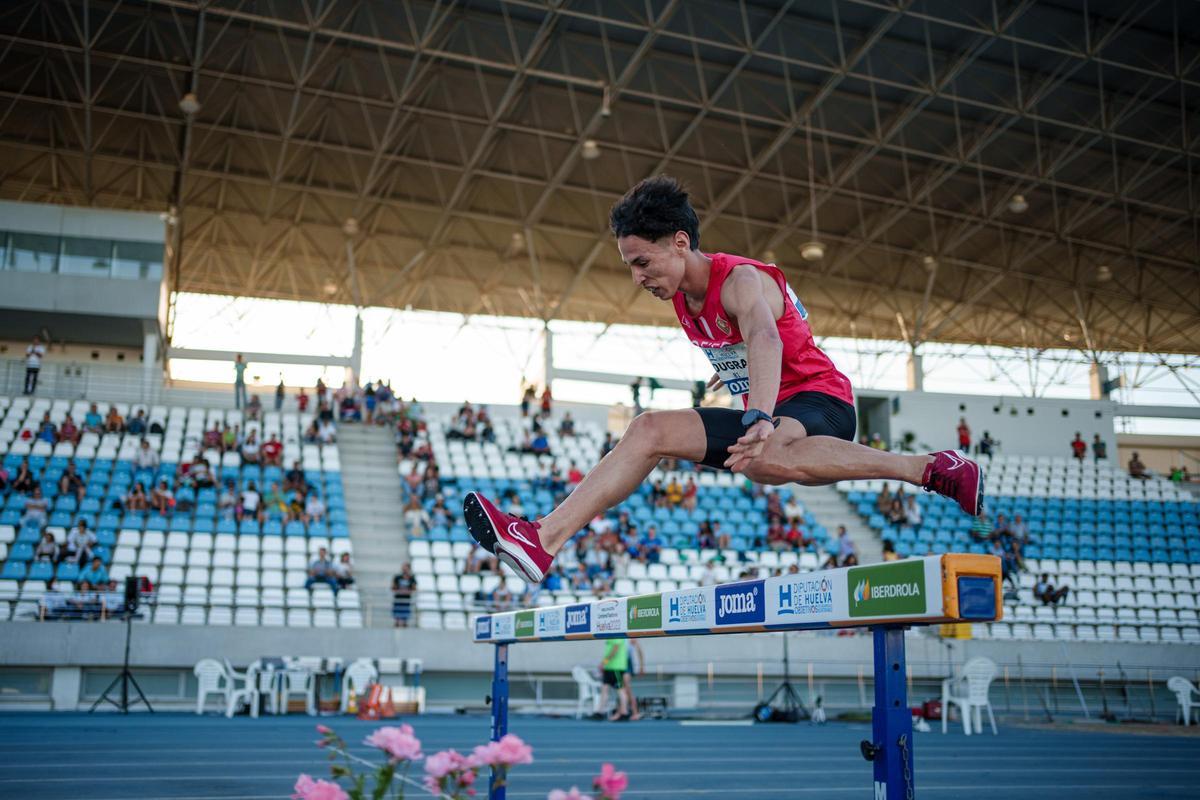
pixel 956 462
pixel 516 534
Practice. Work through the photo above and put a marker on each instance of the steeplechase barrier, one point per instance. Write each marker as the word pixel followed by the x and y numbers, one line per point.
pixel 887 598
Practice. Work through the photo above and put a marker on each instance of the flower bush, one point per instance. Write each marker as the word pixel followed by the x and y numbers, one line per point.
pixel 448 774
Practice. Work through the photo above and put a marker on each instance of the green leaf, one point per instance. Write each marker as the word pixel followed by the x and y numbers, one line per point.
pixel 383 781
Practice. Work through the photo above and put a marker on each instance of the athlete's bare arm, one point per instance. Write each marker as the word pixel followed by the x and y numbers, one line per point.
pixel 746 298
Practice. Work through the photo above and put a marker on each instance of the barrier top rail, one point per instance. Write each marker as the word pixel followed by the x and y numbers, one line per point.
pixel 919 591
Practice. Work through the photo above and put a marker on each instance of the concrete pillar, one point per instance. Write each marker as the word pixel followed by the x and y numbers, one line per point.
pixel 916 372
pixel 151 373
pixel 1097 377
pixel 548 354
pixel 66 686
pixel 356 354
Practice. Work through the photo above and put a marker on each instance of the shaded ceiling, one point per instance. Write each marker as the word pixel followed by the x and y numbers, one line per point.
pixel 895 133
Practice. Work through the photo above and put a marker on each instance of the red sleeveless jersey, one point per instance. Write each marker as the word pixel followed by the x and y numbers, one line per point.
pixel 804 367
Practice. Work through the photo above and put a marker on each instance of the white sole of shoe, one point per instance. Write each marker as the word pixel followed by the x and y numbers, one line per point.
pixel 519 563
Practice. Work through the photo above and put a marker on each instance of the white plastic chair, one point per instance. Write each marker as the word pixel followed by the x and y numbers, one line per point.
pixel 1186 694
pixel 298 680
pixel 211 678
pixel 589 690
pixel 247 692
pixel 357 678
pixel 977 675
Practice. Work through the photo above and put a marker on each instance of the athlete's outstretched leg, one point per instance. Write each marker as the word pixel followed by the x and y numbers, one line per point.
pixel 529 547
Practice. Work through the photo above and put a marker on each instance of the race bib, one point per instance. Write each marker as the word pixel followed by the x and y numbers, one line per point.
pixel 729 362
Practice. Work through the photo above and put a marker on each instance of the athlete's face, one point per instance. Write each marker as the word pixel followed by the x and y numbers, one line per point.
pixel 657 266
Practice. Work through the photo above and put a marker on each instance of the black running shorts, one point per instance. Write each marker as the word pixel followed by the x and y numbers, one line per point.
pixel 820 414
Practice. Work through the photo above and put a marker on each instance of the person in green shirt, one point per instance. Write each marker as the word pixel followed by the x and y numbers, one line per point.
pixel 614 666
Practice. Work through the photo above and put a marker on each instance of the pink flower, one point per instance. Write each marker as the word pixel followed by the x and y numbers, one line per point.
pixel 324 730
pixel 399 743
pixel 507 752
pixel 439 765
pixel 308 789
pixel 610 783
pixel 573 794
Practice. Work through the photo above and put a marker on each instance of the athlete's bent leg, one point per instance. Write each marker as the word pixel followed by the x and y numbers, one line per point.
pixel 651 436
pixel 792 456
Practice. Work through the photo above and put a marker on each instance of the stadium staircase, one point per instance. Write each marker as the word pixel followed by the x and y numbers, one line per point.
pixel 830 506
pixel 374 506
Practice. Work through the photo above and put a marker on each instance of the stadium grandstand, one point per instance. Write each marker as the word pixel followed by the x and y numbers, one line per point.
pixel 281 283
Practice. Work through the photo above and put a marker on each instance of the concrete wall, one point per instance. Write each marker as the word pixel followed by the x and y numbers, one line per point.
pixel 933 418
pixel 79 294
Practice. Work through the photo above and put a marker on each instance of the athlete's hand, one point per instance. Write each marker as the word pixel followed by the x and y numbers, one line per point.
pixel 750 446
pixel 713 383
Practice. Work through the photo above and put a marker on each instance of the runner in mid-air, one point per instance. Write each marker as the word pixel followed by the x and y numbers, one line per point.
pixel 799 421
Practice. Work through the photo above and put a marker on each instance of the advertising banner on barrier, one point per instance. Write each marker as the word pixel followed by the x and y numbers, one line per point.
pixel 910 590
pixel 896 589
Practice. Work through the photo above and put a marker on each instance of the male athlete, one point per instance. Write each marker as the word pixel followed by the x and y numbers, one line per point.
pixel 799 419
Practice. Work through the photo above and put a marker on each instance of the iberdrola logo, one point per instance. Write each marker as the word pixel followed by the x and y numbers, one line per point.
pixel 862 592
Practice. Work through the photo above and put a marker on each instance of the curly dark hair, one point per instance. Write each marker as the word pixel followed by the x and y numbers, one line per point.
pixel 655 208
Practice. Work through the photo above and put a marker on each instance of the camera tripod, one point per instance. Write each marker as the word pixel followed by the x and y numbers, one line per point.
pixel 790 709
pixel 124 678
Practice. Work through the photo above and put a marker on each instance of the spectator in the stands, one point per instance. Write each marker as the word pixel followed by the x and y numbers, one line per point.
pixel 36 509
pixel 540 445
pixel 251 451
pixel 896 515
pixel 231 437
pixel 146 457
pixel 987 445
pixel 721 537
pixel 227 501
pixel 1099 449
pixel 47 431
pixel 312 434
pixel 94 575
pixel 47 548
pixel 274 502
pixel 431 480
pixel 566 426
pixel 416 519
pixel 34 354
pixel 314 508
pixel 114 422
pixel 24 481
pixel 883 500
pixel 68 431
pixel 239 381
pixel 1137 469
pixel 691 495
pixel 71 482
pixel 327 432
pixel 912 511
pixel 279 394
pixel 404 586
pixel 674 492
pixel 527 398
pixel 777 537
pixel 877 442
pixel 547 398
pixel 201 473
pixel 981 528
pixel 162 498
pixel 272 451
pixel 213 438
pixel 92 421
pixel 321 571
pixel 709 576
pixel 479 559
pixel 293 480
pixel 964 435
pixel 302 401
pixel 889 551
pixel 137 424
pixel 796 537
pixel 1008 564
pixel 136 499
pixel 5 479
pixel 847 553
pixel 80 542
pixel 501 597
pixel 1050 595
pixel 607 445
pixel 650 548
pixel 249 503
pixel 343 570
pixel 1078 447
pixel 254 409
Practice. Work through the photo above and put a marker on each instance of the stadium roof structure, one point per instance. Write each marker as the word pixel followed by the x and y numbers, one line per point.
pixel 1005 172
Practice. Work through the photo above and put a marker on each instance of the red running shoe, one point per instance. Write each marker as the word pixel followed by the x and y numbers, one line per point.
pixel 958 478
pixel 515 541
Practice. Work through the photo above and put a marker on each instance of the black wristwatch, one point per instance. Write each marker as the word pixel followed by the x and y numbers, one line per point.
pixel 753 415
